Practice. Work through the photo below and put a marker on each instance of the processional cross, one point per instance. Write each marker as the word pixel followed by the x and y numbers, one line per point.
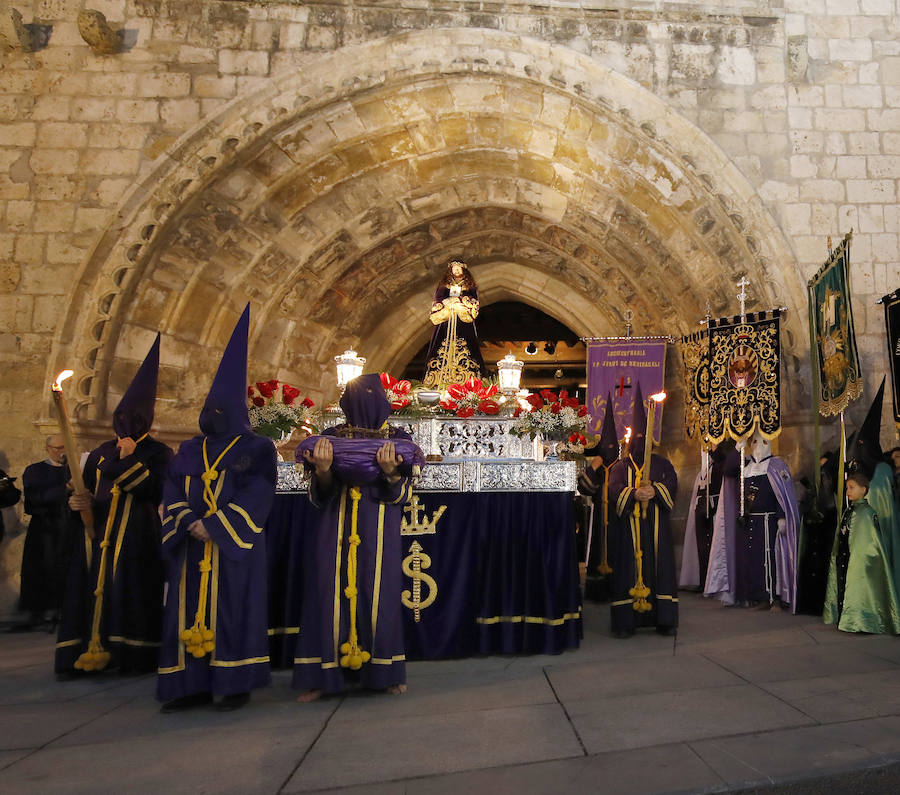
pixel 742 297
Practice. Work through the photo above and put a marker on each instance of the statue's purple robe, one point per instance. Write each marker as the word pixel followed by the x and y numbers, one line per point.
pixel 658 566
pixel 237 595
pixel 721 580
pixel 324 623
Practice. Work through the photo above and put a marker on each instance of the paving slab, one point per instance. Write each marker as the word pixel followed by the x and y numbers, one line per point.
pixel 647 719
pixel 357 753
pixel 804 752
pixel 664 769
pixel 831 699
pixel 449 693
pixel 26 685
pixel 36 725
pixel 643 675
pixel 798 662
pixel 234 760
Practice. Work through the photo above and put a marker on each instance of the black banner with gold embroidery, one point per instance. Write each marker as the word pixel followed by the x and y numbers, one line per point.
pixel 892 325
pixel 744 376
pixel 835 362
pixel 695 361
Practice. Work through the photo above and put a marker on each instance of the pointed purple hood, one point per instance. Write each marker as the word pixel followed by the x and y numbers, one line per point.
pixel 225 410
pixel 134 414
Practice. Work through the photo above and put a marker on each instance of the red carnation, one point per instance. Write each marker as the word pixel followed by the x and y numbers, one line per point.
pixel 307 403
pixel 582 411
pixel 518 411
pixel 536 401
pixel 555 408
pixel 489 407
pixel 573 437
pixel 549 396
pixel 465 411
pixel 289 393
pixel 258 401
pixel 249 391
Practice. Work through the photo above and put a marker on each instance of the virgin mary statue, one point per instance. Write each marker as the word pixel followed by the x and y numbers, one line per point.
pixel 453 355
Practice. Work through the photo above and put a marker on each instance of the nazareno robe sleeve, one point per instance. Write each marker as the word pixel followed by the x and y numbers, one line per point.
pixel 392 493
pixel 665 483
pixel 140 474
pixel 621 490
pixel 238 521
pixel 177 514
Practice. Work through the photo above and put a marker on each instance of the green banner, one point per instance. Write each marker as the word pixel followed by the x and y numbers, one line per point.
pixel 834 358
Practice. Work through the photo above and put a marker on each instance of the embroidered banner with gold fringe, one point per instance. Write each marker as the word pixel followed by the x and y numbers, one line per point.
pixel 835 362
pixel 695 361
pixel 744 376
pixel 892 325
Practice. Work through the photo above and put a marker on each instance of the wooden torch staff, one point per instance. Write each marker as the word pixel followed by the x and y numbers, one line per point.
pixel 72 455
pixel 659 397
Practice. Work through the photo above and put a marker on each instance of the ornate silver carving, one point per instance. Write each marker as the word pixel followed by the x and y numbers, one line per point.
pixel 291 478
pixel 466 476
pixel 472 437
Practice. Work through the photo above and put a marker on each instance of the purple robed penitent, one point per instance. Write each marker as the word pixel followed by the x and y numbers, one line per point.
pixel 240 468
pixel 361 502
pixel 722 579
pixel 126 494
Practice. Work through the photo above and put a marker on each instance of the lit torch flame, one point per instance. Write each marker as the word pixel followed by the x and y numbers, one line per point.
pixel 57 384
pixel 627 434
pixel 659 397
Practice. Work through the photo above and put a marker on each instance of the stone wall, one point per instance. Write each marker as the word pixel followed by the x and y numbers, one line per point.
pixel 292 154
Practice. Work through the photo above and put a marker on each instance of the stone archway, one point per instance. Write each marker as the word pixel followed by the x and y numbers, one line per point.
pixel 332 199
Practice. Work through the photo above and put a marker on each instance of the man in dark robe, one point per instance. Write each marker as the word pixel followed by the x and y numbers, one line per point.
pixel 593 482
pixel 217 497
pixel 352 621
pixel 454 353
pixel 645 590
pixel 111 610
pixel 43 557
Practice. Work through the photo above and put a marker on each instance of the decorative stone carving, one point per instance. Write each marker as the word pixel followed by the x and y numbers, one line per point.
pixel 13 33
pixel 95 30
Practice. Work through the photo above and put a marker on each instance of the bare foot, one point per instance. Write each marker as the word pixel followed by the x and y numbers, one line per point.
pixel 396 690
pixel 775 608
pixel 309 696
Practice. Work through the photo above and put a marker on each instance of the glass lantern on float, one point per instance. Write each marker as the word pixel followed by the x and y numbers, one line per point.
pixel 349 365
pixel 509 369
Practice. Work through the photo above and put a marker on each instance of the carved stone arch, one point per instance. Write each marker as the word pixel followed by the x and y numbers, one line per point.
pixel 692 207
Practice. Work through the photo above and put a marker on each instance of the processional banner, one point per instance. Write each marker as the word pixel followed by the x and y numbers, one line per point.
pixel 615 367
pixel 892 324
pixel 695 361
pixel 835 363
pixel 744 376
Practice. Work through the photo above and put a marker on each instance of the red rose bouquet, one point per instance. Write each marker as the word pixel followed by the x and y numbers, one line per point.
pixel 276 408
